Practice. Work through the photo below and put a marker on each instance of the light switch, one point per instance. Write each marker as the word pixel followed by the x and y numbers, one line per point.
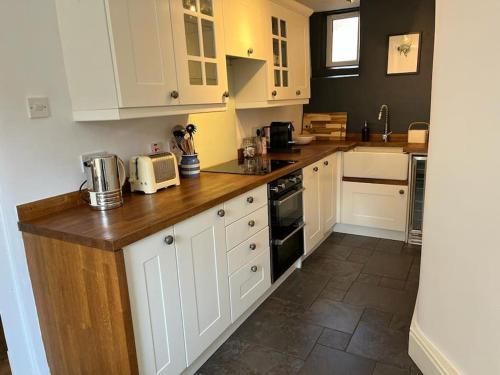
pixel 38 107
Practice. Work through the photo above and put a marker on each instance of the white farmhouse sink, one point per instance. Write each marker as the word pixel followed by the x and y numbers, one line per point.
pixel 388 163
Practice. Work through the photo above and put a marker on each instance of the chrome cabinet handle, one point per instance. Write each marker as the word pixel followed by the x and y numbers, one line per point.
pixel 253 246
pixel 225 94
pixel 315 169
pixel 174 94
pixel 298 92
pixel 221 213
pixel 169 240
pixel 250 51
pixel 253 269
pixel 326 163
pixel 274 93
pixel 250 200
pixel 251 223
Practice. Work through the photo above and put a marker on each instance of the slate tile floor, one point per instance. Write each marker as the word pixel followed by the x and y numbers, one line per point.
pixel 347 312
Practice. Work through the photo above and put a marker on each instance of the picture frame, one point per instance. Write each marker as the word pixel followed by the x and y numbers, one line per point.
pixel 403 53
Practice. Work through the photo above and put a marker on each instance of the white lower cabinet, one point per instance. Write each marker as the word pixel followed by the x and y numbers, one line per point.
pixel 320 200
pixel 249 283
pixel 151 268
pixel 203 278
pixel 374 205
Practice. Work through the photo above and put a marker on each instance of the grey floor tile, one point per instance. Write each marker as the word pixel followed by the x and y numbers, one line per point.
pixel 389 265
pixel 332 293
pixel 373 316
pixel 390 246
pixel 280 325
pixel 334 339
pixel 335 237
pixel 238 357
pixel 360 241
pixel 329 361
pixel 301 287
pixel 384 299
pixel 342 272
pixel 412 249
pixel 333 250
pixel 383 369
pixel 334 315
pixel 356 258
pixel 401 322
pixel 380 344
pixel 392 283
pixel 369 279
pixel 414 370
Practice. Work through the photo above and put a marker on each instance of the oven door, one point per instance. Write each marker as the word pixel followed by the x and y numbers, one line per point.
pixel 286 250
pixel 287 210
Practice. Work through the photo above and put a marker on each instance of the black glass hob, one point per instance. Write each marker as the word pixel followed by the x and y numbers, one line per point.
pixel 254 166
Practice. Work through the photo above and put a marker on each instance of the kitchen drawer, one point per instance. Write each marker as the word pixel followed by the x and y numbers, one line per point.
pixel 246 227
pixel 244 204
pixel 249 283
pixel 244 252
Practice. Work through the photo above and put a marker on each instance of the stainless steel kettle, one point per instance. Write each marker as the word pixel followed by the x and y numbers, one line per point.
pixel 105 178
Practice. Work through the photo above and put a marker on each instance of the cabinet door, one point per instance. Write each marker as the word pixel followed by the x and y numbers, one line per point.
pixel 244 22
pixel 313 231
pixel 300 65
pixel 329 192
pixel 142 43
pixel 199 51
pixel 279 64
pixel 375 205
pixel 151 268
pixel 201 255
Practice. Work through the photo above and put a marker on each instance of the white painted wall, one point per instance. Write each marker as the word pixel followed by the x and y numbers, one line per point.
pixel 458 307
pixel 40 158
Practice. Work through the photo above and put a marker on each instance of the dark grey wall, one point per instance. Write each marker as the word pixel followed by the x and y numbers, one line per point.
pixel 408 96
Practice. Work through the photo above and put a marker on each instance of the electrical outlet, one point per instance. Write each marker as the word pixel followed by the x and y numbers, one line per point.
pixel 38 107
pixel 156 147
pixel 87 156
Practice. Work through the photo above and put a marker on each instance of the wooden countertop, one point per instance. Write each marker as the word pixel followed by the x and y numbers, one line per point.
pixel 143 215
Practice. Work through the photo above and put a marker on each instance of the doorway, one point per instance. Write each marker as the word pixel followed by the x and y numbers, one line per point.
pixel 4 360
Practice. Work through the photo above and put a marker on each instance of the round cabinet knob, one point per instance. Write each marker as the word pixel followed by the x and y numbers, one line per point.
pixel 298 92
pixel 250 51
pixel 250 200
pixel 274 93
pixel 253 246
pixel 174 94
pixel 326 163
pixel 169 240
pixel 402 192
pixel 225 94
pixel 253 269
pixel 221 213
pixel 251 223
pixel 315 169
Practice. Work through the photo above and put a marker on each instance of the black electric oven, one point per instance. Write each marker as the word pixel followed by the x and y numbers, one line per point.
pixel 287 222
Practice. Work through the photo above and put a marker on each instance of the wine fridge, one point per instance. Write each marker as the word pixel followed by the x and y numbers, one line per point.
pixel 417 197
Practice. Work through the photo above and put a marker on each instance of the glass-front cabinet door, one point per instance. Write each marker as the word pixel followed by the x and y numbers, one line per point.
pixel 199 51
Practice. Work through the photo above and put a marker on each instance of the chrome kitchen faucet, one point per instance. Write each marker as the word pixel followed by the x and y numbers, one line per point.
pixel 387 133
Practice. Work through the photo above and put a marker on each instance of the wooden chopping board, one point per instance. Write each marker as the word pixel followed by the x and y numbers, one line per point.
pixel 328 126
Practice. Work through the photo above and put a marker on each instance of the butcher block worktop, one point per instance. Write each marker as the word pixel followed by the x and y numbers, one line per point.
pixel 68 219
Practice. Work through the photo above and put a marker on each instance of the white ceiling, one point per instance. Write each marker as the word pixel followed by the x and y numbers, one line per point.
pixel 325 5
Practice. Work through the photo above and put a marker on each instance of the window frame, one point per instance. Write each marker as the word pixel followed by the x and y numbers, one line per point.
pixel 329 36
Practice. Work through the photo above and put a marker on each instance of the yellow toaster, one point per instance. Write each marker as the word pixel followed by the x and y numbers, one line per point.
pixel 150 173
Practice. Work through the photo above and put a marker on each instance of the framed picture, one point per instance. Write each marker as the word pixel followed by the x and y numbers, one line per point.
pixel 403 53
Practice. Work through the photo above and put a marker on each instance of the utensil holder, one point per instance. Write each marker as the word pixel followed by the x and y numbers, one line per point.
pixel 190 166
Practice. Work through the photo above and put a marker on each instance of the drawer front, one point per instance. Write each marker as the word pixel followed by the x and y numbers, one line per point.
pixel 249 283
pixel 244 252
pixel 246 227
pixel 244 204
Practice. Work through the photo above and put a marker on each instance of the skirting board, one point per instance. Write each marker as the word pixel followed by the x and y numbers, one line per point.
pixel 426 355
pixel 195 366
pixel 370 232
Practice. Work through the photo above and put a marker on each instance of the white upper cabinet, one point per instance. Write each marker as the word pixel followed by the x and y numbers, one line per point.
pixel 143 58
pixel 199 51
pixel 244 28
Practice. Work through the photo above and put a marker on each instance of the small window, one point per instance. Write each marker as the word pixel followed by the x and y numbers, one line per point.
pixel 342 41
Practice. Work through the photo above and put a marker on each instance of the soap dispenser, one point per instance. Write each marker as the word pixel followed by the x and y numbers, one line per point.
pixel 365 133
